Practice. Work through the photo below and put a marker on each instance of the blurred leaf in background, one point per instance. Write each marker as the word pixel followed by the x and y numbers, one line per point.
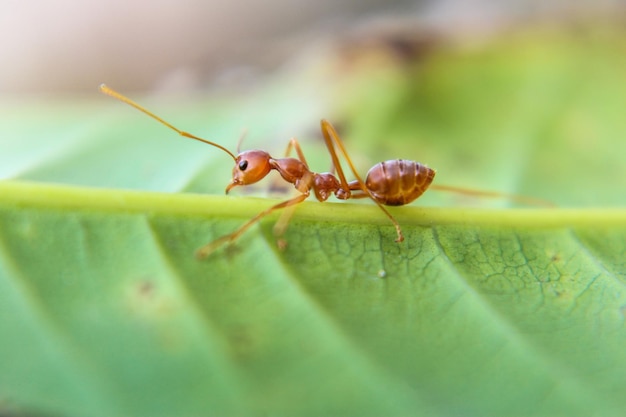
pixel 105 311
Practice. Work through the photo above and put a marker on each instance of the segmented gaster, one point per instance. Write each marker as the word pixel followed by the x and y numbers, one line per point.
pixel 398 182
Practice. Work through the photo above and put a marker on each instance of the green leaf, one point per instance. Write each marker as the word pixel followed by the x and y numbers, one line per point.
pixel 478 311
pixel 104 310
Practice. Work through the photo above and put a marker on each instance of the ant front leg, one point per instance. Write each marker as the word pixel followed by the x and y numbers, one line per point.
pixel 280 227
pixel 206 250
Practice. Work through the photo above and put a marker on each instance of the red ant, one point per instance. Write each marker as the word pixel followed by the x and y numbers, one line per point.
pixel 389 183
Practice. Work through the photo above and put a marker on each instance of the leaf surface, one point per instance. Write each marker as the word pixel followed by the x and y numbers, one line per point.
pixel 105 311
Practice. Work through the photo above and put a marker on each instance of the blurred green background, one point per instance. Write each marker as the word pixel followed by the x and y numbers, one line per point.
pixel 516 96
pixel 504 312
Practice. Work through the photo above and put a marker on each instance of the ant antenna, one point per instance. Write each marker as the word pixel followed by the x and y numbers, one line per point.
pixel 244 132
pixel 110 92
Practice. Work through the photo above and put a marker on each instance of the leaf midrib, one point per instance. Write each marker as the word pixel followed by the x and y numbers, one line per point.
pixel 55 196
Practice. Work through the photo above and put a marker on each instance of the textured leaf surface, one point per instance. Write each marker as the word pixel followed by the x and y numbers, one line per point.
pixel 105 311
pixel 474 310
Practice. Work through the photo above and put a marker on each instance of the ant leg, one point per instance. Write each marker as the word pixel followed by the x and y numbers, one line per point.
pixel 400 236
pixel 493 194
pixel 332 138
pixel 280 227
pixel 206 250
pixel 244 132
pixel 283 221
pixel 277 184
pixel 357 192
pixel 294 144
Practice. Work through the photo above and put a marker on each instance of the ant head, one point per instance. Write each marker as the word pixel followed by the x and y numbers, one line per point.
pixel 250 167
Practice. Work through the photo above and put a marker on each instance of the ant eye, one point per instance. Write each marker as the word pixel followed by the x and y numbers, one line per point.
pixel 243 165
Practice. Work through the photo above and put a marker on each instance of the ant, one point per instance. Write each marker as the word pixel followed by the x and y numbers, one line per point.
pixel 389 183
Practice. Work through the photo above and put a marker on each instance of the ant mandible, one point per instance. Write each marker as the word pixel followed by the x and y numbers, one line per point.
pixel 389 183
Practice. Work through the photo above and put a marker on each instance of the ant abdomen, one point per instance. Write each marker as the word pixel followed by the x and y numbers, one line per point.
pixel 398 182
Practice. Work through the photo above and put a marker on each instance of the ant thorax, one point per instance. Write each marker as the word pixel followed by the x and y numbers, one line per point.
pixel 295 172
